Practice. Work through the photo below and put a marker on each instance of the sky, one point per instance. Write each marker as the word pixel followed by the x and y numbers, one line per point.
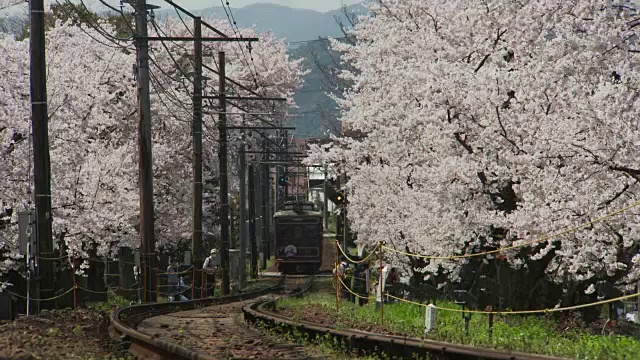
pixel 318 5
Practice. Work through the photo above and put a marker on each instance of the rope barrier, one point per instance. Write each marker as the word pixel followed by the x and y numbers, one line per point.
pixel 92 291
pixel 33 299
pixel 353 293
pixel 545 238
pixel 176 293
pixel 357 261
pixel 505 312
pixel 176 273
pixel 521 312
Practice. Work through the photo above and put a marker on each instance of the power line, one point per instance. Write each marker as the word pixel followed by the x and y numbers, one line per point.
pixel 234 26
pixel 319 39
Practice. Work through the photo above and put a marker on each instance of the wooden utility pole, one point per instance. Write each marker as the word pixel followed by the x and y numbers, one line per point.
pixel 264 201
pixel 41 162
pixel 252 222
pixel 224 186
pixel 243 215
pixel 196 133
pixel 147 238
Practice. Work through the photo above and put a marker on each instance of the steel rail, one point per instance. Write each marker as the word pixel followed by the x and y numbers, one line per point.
pixel 124 320
pixel 367 343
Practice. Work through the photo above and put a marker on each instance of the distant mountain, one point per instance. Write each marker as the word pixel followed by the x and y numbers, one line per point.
pixel 298 26
pixel 289 23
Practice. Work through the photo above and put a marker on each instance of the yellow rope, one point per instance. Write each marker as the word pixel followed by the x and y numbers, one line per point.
pixel 92 291
pixel 32 299
pixel 176 273
pixel 520 312
pixel 357 261
pixel 349 290
pixel 570 230
pixel 506 312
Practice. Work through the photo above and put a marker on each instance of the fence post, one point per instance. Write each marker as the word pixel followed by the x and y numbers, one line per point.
pixel 490 308
pixel 144 282
pixel 75 287
pixel 203 283
pixel 193 282
pixel 337 277
pixel 381 283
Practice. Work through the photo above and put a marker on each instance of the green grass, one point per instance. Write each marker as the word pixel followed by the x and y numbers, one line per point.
pixel 518 333
pixel 324 347
pixel 112 300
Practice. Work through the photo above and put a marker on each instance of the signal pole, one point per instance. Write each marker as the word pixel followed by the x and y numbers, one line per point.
pixel 41 161
pixel 224 186
pixel 145 175
pixel 196 237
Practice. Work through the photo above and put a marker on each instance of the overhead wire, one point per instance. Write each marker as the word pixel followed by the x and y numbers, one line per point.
pixel 237 33
pixel 178 66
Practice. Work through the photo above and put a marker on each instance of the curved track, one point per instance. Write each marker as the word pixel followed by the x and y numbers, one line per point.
pixel 210 328
pixel 366 343
pixel 213 329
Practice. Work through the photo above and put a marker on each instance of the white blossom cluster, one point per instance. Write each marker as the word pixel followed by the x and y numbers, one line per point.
pixel 470 116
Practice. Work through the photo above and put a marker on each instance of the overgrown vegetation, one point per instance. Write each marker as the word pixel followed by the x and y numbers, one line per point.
pixel 324 346
pixel 534 334
pixel 113 300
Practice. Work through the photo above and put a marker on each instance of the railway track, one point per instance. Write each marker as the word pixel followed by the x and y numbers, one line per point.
pixel 203 329
pixel 373 344
pixel 214 329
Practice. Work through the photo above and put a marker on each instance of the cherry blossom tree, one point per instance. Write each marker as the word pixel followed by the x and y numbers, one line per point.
pixel 91 138
pixel 93 130
pixel 481 125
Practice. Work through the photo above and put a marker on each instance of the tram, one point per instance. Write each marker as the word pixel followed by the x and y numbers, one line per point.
pixel 298 238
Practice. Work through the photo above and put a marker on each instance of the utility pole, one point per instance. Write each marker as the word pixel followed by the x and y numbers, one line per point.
pixel 147 243
pixel 243 215
pixel 264 191
pixel 224 186
pixel 196 133
pixel 41 162
pixel 252 222
pixel 286 168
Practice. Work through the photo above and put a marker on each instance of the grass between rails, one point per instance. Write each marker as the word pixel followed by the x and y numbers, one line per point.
pixel 510 332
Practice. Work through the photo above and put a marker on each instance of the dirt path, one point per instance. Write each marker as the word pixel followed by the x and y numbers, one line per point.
pixel 58 334
pixel 220 331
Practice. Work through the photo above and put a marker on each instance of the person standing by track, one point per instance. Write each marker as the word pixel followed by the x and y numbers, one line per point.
pixel 210 267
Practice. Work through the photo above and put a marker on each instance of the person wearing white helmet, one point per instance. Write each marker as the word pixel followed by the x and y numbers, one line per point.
pixel 210 267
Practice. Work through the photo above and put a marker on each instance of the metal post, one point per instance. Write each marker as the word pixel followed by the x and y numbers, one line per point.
pixel 243 217
pixel 196 133
pixel 252 222
pixel 381 282
pixel 147 243
pixel 224 187
pixel 337 272
pixel 345 229
pixel 41 162
pixel 326 202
